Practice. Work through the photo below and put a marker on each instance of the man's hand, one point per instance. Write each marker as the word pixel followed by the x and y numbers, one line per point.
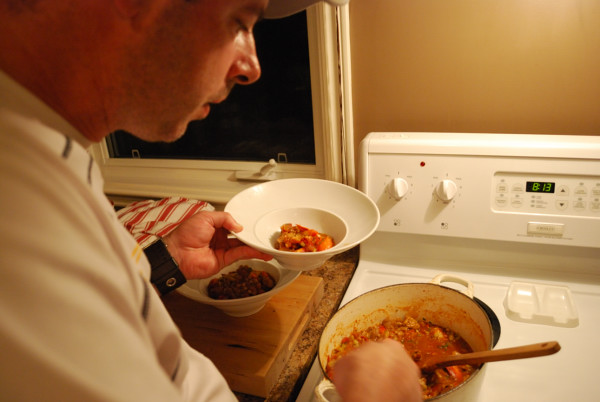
pixel 378 371
pixel 201 245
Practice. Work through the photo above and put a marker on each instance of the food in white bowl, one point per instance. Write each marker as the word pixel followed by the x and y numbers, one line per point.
pixel 269 226
pixel 243 282
pixel 300 239
pixel 340 211
pixel 197 289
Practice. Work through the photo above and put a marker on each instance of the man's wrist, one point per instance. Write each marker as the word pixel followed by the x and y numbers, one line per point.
pixel 165 274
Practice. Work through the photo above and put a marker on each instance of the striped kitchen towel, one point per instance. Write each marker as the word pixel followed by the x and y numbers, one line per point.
pixel 149 219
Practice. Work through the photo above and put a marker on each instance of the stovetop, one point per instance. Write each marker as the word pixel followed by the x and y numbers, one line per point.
pixel 568 375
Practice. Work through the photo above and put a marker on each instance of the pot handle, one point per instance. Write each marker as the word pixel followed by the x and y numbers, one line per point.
pixel 438 279
pixel 326 392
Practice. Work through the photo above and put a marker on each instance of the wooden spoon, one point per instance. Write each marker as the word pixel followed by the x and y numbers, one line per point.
pixel 476 358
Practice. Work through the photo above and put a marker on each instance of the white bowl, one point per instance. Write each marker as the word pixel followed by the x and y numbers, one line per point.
pixel 196 289
pixel 342 212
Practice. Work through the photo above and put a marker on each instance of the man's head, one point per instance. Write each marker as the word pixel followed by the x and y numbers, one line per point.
pixel 147 67
pixel 213 53
pixel 189 57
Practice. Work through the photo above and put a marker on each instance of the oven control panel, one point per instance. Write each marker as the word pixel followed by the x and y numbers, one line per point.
pixel 547 194
pixel 526 188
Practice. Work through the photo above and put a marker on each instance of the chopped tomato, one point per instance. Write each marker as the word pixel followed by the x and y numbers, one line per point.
pixel 455 372
pixel 300 239
pixel 325 243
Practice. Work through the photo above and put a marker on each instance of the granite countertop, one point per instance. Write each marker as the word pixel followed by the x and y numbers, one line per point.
pixel 336 274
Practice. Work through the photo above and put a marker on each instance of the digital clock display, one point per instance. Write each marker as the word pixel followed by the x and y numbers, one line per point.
pixel 539 187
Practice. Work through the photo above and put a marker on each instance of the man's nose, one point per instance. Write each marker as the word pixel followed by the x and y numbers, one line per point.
pixel 246 68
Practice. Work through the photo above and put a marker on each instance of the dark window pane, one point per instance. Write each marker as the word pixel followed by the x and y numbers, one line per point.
pixel 257 122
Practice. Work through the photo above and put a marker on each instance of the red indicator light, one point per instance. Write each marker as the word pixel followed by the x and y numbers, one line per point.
pixel 422 163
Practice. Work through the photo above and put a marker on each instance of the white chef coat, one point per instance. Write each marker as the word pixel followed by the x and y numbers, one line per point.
pixel 79 320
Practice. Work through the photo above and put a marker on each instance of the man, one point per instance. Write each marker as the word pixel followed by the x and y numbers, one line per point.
pixel 80 319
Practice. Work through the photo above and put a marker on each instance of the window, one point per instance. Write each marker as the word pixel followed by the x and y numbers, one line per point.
pixel 293 116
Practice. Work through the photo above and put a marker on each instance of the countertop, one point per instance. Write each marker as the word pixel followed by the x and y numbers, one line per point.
pixel 336 274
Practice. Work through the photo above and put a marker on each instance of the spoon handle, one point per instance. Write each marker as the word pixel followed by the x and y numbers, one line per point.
pixel 476 358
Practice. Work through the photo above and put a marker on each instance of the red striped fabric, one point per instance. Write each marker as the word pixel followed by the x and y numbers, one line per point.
pixel 147 220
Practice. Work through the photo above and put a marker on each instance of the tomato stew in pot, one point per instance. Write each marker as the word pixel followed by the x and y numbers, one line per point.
pixel 421 340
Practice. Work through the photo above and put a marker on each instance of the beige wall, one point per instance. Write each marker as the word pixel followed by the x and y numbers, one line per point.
pixel 509 66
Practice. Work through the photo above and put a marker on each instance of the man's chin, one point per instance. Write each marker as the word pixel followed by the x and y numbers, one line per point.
pixel 166 134
pixel 174 131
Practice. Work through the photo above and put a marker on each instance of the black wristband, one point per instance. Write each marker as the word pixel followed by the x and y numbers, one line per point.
pixel 165 275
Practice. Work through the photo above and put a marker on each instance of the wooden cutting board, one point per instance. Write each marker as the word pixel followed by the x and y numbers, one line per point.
pixel 250 351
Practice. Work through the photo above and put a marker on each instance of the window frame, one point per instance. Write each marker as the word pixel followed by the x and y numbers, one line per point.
pixel 215 181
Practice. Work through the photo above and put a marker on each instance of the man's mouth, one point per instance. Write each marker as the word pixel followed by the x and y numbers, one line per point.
pixel 205 109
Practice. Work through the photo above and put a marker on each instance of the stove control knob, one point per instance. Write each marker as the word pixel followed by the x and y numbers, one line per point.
pixel 446 190
pixel 398 188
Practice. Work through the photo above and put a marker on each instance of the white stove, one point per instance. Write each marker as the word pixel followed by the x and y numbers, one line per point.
pixel 516 215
